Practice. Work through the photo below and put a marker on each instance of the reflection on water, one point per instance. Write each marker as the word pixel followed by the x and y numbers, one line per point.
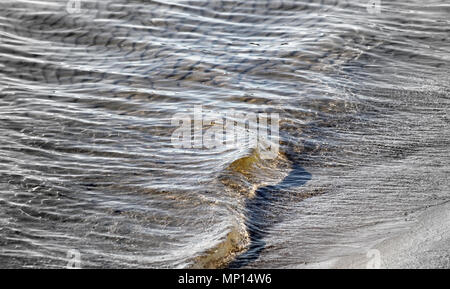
pixel 88 95
pixel 258 212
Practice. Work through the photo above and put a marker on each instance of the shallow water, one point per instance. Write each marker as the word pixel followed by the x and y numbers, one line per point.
pixel 88 95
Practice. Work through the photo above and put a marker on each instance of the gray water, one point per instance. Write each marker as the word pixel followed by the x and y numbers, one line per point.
pixel 88 94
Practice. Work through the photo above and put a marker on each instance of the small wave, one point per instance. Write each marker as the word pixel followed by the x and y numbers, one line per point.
pixel 219 256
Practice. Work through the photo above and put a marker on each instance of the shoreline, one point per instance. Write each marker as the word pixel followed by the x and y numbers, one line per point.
pixel 425 244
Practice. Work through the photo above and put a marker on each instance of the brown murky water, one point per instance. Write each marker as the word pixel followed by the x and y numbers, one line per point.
pixel 88 95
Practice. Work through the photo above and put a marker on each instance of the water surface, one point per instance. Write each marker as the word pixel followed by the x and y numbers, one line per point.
pixel 88 95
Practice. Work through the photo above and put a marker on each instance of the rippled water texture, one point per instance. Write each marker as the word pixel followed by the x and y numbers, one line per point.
pixel 87 98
